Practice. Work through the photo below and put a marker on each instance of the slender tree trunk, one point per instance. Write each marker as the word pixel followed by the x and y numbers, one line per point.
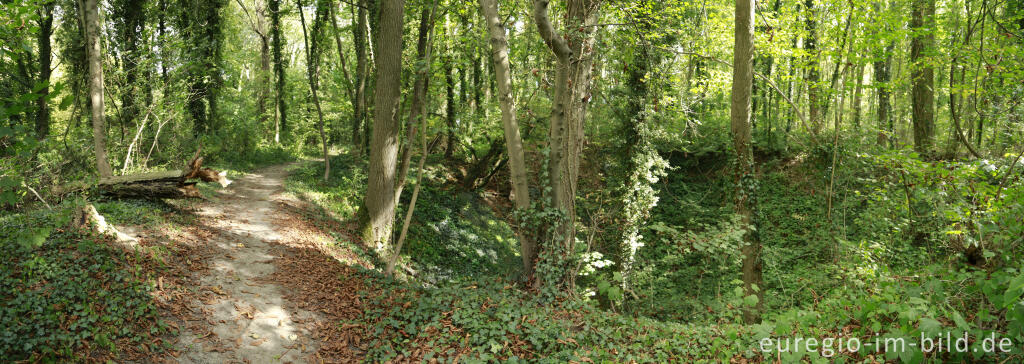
pixel 882 78
pixel 746 194
pixel 280 104
pixel 418 109
pixel 393 259
pixel 359 103
pixel 449 108
pixel 840 67
pixel 922 44
pixel 574 60
pixel 856 96
pixel 812 73
pixel 513 141
pixel 347 81
pixel 380 191
pixel 477 84
pixel 43 37
pixel 131 29
pixel 313 72
pixel 162 28
pixel 94 54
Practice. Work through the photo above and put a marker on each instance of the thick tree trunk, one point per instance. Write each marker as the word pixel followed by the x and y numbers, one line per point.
pixel 922 74
pixel 380 191
pixel 746 194
pixel 513 141
pixel 95 56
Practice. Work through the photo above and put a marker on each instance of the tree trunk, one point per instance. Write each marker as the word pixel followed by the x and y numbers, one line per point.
pixel 347 81
pixel 574 58
pixel 94 54
pixel 313 71
pixel 359 102
pixel 380 191
pixel 418 110
pixel 513 141
pixel 131 28
pixel 856 96
pixel 43 37
pixel 812 74
pixel 882 78
pixel 277 40
pixel 449 108
pixel 922 44
pixel 390 268
pixel 745 184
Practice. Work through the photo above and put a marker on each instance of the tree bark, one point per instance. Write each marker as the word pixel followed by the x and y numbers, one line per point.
pixel 883 76
pixel 746 202
pixel 922 44
pixel 313 72
pixel 277 40
pixel 380 191
pixel 45 50
pixel 812 74
pixel 347 81
pixel 418 110
pixel 95 56
pixel 513 141
pixel 130 27
pixel 359 102
pixel 574 57
pixel 856 96
pixel 449 108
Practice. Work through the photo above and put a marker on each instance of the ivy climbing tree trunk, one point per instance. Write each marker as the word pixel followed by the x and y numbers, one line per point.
pixel 643 165
pixel 380 201
pixel 513 141
pixel 94 55
pixel 745 184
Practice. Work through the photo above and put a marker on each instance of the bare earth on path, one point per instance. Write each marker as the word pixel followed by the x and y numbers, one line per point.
pixel 247 318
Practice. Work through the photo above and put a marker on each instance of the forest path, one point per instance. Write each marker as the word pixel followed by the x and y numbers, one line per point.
pixel 248 318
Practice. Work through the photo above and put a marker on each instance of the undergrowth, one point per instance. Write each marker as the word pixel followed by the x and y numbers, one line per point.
pixel 71 295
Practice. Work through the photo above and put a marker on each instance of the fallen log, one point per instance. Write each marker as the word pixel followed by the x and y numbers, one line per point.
pixel 164 184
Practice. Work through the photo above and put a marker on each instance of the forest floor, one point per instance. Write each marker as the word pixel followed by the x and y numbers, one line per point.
pixel 261 286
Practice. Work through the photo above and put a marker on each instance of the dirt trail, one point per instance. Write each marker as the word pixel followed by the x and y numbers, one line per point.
pixel 247 317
